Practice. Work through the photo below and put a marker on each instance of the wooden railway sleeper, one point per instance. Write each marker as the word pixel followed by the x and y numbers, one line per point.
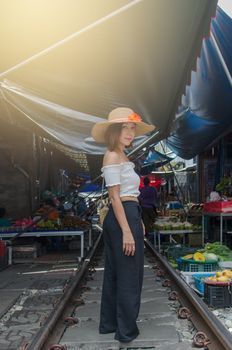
pixel 201 340
pixel 184 313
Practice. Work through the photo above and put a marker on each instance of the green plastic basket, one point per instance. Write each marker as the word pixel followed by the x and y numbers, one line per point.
pixel 196 266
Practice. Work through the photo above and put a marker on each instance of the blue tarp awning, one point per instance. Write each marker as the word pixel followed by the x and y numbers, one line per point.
pixel 206 111
pixel 153 161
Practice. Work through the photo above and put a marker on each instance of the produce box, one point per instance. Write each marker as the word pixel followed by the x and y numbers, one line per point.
pixel 199 280
pixel 218 295
pixel 196 266
pixel 218 207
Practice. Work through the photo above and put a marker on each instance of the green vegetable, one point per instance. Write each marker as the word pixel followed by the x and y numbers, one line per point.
pixel 222 251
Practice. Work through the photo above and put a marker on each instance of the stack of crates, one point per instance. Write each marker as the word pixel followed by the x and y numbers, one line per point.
pixel 218 295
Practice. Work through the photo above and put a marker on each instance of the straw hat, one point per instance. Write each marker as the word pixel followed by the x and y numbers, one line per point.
pixel 120 115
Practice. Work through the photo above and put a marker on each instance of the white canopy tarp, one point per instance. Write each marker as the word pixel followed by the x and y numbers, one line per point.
pixel 66 63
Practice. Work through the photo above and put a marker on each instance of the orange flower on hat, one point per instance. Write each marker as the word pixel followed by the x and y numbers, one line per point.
pixel 134 117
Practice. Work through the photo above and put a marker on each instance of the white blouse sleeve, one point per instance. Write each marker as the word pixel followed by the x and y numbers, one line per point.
pixel 111 174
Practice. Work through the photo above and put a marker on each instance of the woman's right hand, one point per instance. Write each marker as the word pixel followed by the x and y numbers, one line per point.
pixel 128 243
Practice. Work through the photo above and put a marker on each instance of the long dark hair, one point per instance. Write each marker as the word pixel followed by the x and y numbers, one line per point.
pixel 112 135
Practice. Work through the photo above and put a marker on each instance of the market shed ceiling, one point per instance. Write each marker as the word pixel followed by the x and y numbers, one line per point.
pixel 65 64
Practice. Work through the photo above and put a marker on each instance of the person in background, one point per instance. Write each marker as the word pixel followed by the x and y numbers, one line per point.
pixel 122 227
pixel 148 200
pixel 4 221
pixel 48 210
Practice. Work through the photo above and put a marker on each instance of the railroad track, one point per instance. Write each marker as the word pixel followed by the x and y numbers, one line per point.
pixel 62 315
pixel 209 331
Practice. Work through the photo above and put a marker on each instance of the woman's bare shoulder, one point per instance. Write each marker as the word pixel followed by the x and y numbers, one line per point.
pixel 111 157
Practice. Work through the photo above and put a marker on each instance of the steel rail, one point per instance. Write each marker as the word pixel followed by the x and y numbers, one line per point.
pixel 43 334
pixel 202 318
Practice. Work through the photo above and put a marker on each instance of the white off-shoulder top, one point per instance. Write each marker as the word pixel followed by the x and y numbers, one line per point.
pixel 122 174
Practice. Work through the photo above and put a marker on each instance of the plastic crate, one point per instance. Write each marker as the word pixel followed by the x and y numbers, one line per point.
pixel 196 266
pixel 188 276
pixel 199 280
pixel 218 295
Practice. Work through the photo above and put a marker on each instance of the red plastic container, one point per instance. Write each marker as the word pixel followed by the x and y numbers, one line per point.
pixel 218 207
pixel 3 249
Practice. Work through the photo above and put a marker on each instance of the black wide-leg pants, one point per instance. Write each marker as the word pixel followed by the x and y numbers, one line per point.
pixel 123 276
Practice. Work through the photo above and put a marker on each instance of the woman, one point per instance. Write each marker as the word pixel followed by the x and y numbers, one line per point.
pixel 122 228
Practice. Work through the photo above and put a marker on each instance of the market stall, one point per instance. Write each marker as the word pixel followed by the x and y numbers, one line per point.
pixel 221 210
pixel 36 234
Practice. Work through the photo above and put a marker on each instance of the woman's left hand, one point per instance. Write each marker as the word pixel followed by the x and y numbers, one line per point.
pixel 128 243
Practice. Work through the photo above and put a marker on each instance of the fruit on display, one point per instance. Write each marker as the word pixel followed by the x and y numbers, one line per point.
pixel 227 273
pixel 66 223
pixel 188 257
pixel 172 225
pixel 210 256
pixel 223 279
pixel 73 222
pixel 24 223
pixel 47 224
pixel 199 257
pixel 221 276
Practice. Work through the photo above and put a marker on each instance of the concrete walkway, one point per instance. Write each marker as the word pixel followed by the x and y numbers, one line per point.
pixel 159 326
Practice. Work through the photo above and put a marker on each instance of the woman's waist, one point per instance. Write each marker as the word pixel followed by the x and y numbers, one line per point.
pixel 129 198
